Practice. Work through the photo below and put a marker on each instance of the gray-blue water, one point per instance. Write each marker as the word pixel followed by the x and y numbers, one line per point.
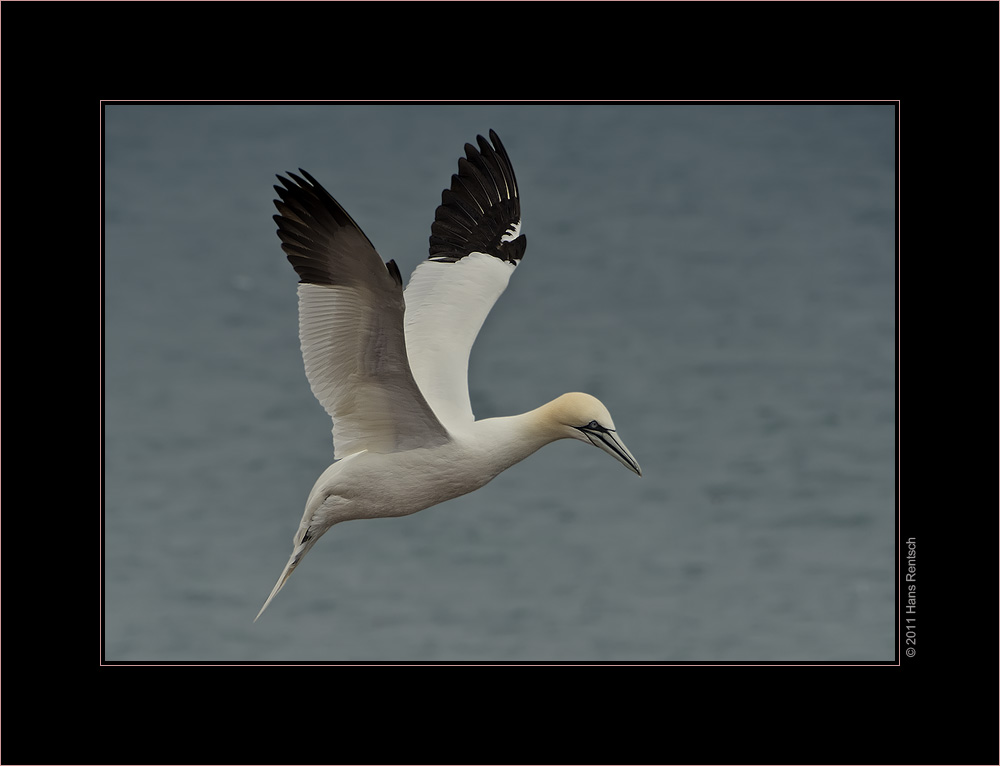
pixel 722 277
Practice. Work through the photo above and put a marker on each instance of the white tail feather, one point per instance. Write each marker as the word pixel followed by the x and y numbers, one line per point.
pixel 293 561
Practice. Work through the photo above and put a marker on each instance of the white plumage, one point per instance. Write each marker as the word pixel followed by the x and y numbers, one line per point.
pixel 392 373
pixel 456 296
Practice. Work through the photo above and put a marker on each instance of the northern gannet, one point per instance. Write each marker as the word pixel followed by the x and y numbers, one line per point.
pixel 391 367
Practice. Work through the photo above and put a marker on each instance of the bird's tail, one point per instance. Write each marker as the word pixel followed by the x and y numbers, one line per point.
pixel 300 550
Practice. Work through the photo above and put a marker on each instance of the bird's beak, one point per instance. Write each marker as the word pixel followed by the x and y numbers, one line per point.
pixel 608 441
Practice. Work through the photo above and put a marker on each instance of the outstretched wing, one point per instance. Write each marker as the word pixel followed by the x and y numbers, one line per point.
pixel 475 245
pixel 351 326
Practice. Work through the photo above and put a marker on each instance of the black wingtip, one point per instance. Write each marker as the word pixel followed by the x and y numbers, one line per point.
pixel 321 241
pixel 481 212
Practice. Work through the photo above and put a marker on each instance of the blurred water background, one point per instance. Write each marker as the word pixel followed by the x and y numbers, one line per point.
pixel 722 277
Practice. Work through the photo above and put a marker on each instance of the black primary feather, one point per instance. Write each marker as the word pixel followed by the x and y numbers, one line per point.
pixel 320 239
pixel 481 207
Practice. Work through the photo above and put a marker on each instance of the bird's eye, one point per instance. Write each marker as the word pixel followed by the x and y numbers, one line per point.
pixel 593 424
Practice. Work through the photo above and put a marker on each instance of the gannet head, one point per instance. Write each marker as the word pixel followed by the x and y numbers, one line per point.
pixel 583 417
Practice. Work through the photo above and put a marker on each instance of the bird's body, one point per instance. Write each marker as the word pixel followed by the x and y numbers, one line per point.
pixel 392 372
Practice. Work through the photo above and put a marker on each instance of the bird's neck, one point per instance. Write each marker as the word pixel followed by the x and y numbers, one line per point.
pixel 514 438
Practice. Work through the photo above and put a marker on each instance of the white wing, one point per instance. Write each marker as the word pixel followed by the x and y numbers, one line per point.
pixel 475 246
pixel 351 326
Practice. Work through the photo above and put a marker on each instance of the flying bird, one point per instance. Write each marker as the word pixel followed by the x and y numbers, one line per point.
pixel 391 366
